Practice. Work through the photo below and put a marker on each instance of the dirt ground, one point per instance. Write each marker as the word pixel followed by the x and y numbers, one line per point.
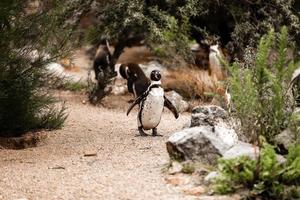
pixel 125 166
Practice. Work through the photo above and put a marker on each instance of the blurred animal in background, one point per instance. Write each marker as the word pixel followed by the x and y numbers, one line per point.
pixel 216 68
pixel 219 74
pixel 102 59
pixel 208 57
pixel 200 52
pixel 222 98
pixel 137 81
pixel 151 104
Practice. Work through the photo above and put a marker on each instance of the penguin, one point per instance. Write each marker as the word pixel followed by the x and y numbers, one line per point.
pixel 102 59
pixel 137 81
pixel 200 52
pixel 215 66
pixel 152 103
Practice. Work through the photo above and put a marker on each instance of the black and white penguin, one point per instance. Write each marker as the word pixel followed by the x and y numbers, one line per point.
pixel 102 59
pixel 137 81
pixel 151 104
pixel 216 69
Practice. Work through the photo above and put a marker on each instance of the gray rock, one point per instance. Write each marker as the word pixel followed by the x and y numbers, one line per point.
pixel 285 138
pixel 209 115
pixel 175 168
pixel 59 71
pixel 237 126
pixel 215 117
pixel 205 144
pixel 119 89
pixel 195 47
pixel 186 124
pixel 242 149
pixel 212 115
pixel 209 177
pixel 177 101
pixel 207 139
pixel 56 69
pixel 290 135
pixel 246 149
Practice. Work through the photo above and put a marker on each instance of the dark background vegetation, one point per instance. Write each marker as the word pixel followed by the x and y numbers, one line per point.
pixel 53 27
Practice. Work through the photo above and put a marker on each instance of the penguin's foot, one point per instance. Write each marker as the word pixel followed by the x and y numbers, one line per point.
pixel 154 133
pixel 141 131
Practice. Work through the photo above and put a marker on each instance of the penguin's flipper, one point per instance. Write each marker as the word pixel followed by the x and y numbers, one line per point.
pixel 171 107
pixel 136 101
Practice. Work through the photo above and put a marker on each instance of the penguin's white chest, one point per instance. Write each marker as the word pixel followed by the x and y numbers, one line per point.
pixel 152 108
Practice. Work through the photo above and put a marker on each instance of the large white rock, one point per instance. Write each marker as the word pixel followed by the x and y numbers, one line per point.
pixel 209 115
pixel 177 100
pixel 119 89
pixel 59 71
pixel 242 149
pixel 215 117
pixel 208 138
pixel 204 144
pixel 56 69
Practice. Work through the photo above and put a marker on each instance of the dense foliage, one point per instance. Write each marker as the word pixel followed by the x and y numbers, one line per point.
pixel 30 37
pixel 262 100
pixel 169 26
pixel 266 178
pixel 260 94
pixel 237 24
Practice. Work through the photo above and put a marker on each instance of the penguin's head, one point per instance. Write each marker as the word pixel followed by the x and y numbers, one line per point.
pixel 155 75
pixel 215 49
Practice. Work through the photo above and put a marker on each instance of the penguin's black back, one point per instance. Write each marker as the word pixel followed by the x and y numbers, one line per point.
pixel 141 86
pixel 102 59
pixel 137 81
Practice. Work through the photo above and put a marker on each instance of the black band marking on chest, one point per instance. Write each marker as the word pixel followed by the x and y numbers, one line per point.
pixel 154 86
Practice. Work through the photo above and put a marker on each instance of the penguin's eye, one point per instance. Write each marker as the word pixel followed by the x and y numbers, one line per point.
pixel 157 76
pixel 135 76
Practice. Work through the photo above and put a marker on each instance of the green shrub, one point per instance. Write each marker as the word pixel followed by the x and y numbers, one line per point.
pixel 262 101
pixel 29 39
pixel 294 126
pixel 265 177
pixel 260 94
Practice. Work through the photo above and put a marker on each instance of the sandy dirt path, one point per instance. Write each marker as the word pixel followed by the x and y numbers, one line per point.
pixel 126 167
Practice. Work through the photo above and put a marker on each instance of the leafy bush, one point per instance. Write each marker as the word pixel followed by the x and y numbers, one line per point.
pixel 260 94
pixel 265 177
pixel 25 102
pixel 263 103
pixel 294 126
pixel 240 24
